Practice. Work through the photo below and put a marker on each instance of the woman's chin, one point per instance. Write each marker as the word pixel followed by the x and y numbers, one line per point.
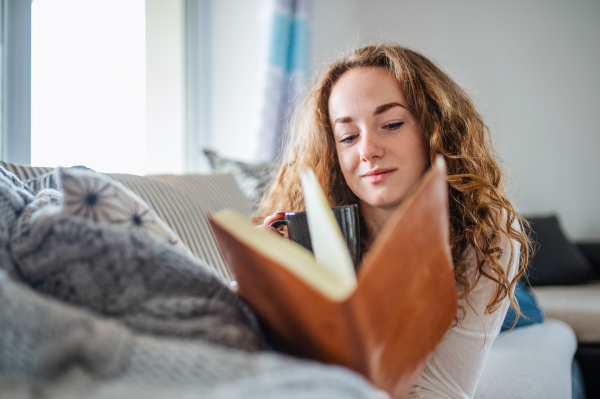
pixel 384 203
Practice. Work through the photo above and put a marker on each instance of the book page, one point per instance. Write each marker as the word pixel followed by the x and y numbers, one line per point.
pixel 328 243
pixel 285 253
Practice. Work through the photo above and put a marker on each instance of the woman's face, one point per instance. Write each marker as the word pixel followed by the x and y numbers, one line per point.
pixel 379 144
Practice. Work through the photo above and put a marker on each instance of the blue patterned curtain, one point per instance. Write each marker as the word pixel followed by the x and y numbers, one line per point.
pixel 283 70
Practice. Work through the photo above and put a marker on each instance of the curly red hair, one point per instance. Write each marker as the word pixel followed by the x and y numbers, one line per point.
pixel 480 212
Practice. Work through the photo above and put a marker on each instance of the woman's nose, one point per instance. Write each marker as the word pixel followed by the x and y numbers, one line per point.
pixel 370 147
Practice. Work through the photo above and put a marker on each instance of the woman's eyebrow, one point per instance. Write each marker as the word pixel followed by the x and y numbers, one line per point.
pixel 343 119
pixel 379 110
pixel 382 108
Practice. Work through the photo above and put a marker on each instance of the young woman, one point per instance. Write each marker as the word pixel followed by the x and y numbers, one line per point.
pixel 370 127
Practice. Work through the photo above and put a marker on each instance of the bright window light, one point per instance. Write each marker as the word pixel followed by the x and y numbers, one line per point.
pixel 88 77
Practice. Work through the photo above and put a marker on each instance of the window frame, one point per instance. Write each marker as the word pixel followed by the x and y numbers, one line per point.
pixel 16 81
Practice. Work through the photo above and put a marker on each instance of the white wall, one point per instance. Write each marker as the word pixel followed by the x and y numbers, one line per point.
pixel 532 67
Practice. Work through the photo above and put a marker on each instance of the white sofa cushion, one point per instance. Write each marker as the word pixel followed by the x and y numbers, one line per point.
pixel 530 362
pixel 576 305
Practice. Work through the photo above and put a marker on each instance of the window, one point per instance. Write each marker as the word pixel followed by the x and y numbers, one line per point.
pixel 88 84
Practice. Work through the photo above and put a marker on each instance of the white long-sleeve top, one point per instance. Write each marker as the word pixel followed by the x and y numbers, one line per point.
pixel 454 369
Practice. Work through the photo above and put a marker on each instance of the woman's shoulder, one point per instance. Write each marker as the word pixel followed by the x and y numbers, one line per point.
pixel 502 244
pixel 486 284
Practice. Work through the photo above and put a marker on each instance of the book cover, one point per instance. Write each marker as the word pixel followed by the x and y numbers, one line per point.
pixel 386 325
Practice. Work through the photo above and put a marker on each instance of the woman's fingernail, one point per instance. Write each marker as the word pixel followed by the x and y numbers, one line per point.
pixel 279 213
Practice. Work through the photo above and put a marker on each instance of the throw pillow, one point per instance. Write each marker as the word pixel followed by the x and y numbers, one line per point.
pixel 253 180
pixel 530 309
pixel 183 201
pixel 591 251
pixel 97 197
pixel 556 261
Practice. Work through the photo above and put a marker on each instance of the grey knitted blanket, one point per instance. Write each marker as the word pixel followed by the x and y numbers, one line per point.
pixel 94 310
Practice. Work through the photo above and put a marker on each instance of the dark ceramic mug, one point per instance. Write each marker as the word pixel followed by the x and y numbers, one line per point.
pixel 347 218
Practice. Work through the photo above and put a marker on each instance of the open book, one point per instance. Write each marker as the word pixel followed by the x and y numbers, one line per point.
pixel 383 323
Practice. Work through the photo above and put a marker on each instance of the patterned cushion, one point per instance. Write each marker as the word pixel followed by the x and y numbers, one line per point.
pixel 180 200
pixel 254 180
pixel 99 198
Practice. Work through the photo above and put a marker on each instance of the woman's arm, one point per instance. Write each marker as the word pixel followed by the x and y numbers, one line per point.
pixel 454 369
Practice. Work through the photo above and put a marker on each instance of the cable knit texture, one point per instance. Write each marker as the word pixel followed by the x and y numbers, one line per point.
pixel 94 310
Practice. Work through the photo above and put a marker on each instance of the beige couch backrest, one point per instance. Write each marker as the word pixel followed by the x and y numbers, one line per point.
pixel 182 201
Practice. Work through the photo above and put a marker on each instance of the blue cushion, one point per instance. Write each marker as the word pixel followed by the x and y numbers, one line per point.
pixel 529 307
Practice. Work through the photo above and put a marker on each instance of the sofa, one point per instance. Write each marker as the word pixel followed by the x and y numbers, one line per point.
pixel 565 277
pixel 534 361
pixel 566 281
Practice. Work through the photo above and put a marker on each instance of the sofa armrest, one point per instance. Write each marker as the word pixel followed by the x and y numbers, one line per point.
pixel 530 362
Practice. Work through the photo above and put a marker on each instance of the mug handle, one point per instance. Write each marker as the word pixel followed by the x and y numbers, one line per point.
pixel 279 222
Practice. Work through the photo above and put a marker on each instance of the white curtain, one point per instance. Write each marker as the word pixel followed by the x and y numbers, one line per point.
pixel 283 72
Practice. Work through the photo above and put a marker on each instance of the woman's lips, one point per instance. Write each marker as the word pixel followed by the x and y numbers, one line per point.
pixel 378 176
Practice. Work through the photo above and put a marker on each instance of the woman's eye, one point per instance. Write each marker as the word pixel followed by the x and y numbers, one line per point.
pixel 393 125
pixel 349 139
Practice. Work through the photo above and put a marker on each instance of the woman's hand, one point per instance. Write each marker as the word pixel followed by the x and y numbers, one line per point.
pixel 270 219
